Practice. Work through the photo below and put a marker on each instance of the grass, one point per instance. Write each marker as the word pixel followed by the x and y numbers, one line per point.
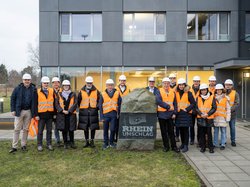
pixel 94 167
pixel 6 104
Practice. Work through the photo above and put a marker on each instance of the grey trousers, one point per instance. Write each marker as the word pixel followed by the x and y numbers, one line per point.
pixel 41 124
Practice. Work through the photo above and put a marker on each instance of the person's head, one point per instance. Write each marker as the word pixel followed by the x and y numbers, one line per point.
pixel 196 81
pixel 110 84
pixel 55 83
pixel 66 85
pixel 45 82
pixel 181 83
pixel 122 80
pixel 172 78
pixel 212 81
pixel 203 89
pixel 89 82
pixel 166 83
pixel 151 82
pixel 219 88
pixel 26 79
pixel 229 84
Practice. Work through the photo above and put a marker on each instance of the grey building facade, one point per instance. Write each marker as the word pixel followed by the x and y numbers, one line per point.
pixel 142 38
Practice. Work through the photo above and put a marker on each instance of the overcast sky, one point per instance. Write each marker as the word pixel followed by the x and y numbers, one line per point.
pixel 19 25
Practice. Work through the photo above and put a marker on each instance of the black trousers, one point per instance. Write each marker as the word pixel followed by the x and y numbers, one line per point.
pixel 184 132
pixel 167 132
pixel 41 124
pixel 66 132
pixel 117 130
pixel 203 132
pixel 92 134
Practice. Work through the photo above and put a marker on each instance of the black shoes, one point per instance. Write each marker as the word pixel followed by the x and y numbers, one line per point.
pixel 86 144
pixel 191 142
pixel 211 150
pixel 72 145
pixel 233 144
pixel 222 147
pixel 24 148
pixel 176 149
pixel 165 149
pixel 202 150
pixel 13 150
pixel 92 144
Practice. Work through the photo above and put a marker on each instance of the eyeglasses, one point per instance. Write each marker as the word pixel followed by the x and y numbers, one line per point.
pixel 26 79
pixel 45 83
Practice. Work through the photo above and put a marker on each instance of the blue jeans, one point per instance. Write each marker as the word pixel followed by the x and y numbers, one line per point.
pixel 232 130
pixel 109 123
pixel 223 136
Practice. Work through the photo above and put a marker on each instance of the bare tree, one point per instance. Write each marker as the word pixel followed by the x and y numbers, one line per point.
pixel 14 78
pixel 33 52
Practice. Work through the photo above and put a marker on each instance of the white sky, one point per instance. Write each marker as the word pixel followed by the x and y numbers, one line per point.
pixel 19 25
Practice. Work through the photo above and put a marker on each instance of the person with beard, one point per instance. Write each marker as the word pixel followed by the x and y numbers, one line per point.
pixel 212 84
pixel 88 100
pixel 172 78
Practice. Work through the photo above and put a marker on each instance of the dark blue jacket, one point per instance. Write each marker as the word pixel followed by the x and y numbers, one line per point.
pixel 167 114
pixel 156 90
pixel 16 100
pixel 112 113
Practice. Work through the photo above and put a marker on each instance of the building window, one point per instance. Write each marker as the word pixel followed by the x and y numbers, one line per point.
pixel 247 27
pixel 144 27
pixel 208 26
pixel 80 27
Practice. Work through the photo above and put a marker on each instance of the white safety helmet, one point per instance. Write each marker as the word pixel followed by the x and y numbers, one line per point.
pixel 181 81
pixel 66 83
pixel 151 79
pixel 203 86
pixel 45 79
pixel 212 78
pixel 219 87
pixel 172 75
pixel 26 76
pixel 110 81
pixel 122 78
pixel 55 79
pixel 229 81
pixel 166 79
pixel 196 78
pixel 89 79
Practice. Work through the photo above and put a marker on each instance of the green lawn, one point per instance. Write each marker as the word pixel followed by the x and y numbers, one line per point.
pixel 94 167
pixel 6 104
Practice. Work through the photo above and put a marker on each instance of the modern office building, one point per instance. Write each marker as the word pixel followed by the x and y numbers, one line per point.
pixel 143 38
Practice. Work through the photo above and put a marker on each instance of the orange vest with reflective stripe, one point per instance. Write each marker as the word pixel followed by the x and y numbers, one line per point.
pixel 232 97
pixel 45 104
pixel 110 104
pixel 205 106
pixel 126 91
pixel 195 95
pixel 71 102
pixel 88 100
pixel 183 101
pixel 167 98
pixel 221 108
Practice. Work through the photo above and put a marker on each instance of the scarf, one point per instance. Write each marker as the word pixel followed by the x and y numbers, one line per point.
pixel 205 97
pixel 65 94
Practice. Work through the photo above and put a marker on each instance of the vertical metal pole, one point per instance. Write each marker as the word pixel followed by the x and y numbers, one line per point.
pixel 242 95
pixel 245 111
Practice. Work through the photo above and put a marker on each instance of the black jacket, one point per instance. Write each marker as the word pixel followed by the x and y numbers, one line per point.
pixel 156 90
pixel 16 100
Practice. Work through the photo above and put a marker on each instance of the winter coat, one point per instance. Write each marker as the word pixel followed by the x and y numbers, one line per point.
pixel 236 104
pixel 220 121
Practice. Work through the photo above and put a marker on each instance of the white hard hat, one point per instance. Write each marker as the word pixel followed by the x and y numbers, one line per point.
pixel 203 86
pixel 172 75
pixel 229 81
pixel 196 78
pixel 45 79
pixel 212 78
pixel 219 87
pixel 122 77
pixel 89 79
pixel 66 83
pixel 26 76
pixel 110 81
pixel 151 79
pixel 166 79
pixel 181 81
pixel 55 79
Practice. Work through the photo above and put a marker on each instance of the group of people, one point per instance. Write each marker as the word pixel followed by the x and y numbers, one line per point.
pixel 179 109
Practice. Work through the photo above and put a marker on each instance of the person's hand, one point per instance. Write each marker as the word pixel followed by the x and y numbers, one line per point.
pixel 54 116
pixel 37 118
pixel 184 110
pixel 13 113
pixel 65 112
pixel 204 116
pixel 173 116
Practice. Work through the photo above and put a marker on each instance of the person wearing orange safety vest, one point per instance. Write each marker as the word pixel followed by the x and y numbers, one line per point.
pixel 167 110
pixel 45 113
pixel 212 83
pixel 66 121
pixel 185 103
pixel 110 103
pixel 172 78
pixel 205 107
pixel 195 91
pixel 234 103
pixel 88 99
pixel 222 116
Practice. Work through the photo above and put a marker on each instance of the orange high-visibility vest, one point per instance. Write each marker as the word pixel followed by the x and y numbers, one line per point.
pixel 45 104
pixel 56 93
pixel 174 88
pixel 194 95
pixel 126 91
pixel 167 98
pixel 205 106
pixel 71 102
pixel 221 108
pixel 232 97
pixel 88 100
pixel 212 90
pixel 183 101
pixel 110 104
pixel 33 127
